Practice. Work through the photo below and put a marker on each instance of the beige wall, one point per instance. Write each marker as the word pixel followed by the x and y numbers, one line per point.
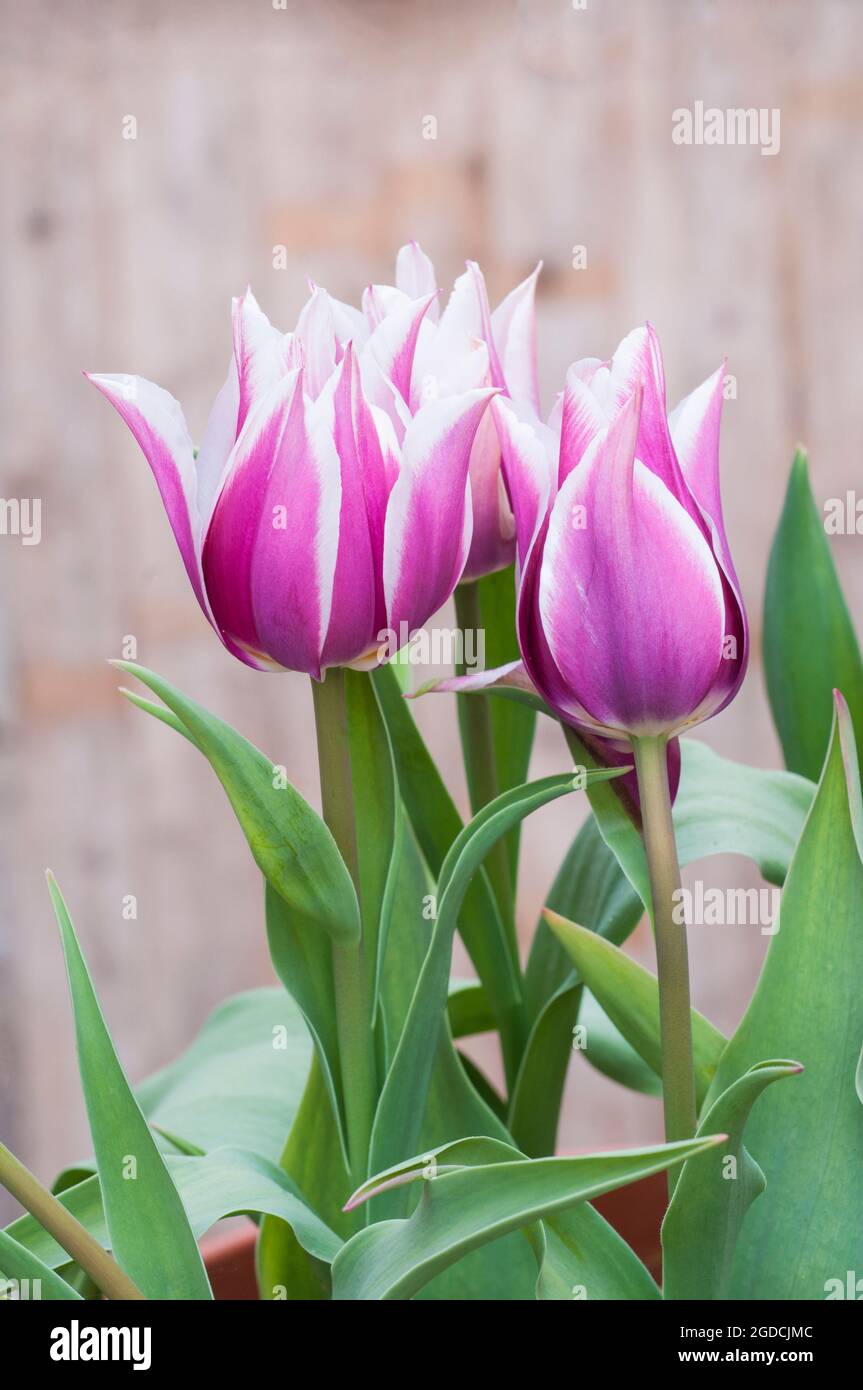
pixel 304 127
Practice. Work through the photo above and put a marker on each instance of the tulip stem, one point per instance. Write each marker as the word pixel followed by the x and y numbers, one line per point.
pixel 68 1232
pixel 477 735
pixel 350 967
pixel 678 1073
pixel 480 762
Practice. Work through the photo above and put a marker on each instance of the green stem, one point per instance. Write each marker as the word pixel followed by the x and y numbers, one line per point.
pixel 350 968
pixel 477 736
pixel 62 1225
pixel 678 1074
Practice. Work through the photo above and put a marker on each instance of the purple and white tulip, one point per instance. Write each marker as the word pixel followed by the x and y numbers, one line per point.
pixel 630 617
pixel 320 511
pixel 458 349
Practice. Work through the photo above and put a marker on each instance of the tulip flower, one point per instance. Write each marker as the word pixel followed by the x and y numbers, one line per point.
pixel 630 618
pixel 308 523
pixel 461 348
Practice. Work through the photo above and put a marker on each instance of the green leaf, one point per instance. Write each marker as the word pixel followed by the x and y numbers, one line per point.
pixel 584 1257
pixel 314 1160
pixel 611 1054
pixel 589 885
pixel 468 1009
pixel 712 1197
pixel 436 824
pixel 20 1264
pixel 303 961
pixel 463 1208
pixel 402 1103
pixel 290 843
pixel 535 1103
pixel 150 1236
pixel 629 994
pixel 810 646
pixel 226 1182
pixel 239 1083
pixel 808 1138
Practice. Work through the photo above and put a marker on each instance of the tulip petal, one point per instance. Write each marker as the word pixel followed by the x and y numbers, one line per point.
pixel 393 343
pixel 694 426
pixel 357 611
pixel 527 453
pixel 270 552
pixel 582 419
pixel 262 354
pixel 513 326
pixel 638 362
pixel 415 276
pixel 428 523
pixel 157 422
pixel 218 440
pixel 630 596
pixel 493 540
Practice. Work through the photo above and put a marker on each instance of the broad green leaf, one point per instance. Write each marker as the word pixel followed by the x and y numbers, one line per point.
pixel 610 1053
pixel 462 1209
pixel 226 1182
pixel 239 1083
pixel 589 885
pixel 629 994
pixel 468 1010
pixel 711 1198
pixel 290 843
pixel 149 1234
pixel 313 1159
pixel 21 1265
pixel 808 1004
pixel 436 823
pixel 810 646
pixel 402 1103
pixel 585 1258
pixel 303 960
pixel 313 1156
pixel 454 1106
pixel 535 1103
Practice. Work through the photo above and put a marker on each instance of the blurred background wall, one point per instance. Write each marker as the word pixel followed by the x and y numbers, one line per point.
pixel 303 126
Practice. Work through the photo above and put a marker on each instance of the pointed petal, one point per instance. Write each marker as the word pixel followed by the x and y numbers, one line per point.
pixel 492 545
pixel 393 343
pixel 582 419
pixel 428 521
pixel 415 276
pixel 262 354
pixel 513 325
pixel 157 422
pixel 219 438
pixel 694 426
pixel 638 361
pixel 357 610
pixel 270 552
pixel 630 596
pixel 527 460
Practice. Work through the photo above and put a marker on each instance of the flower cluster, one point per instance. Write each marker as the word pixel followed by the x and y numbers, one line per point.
pixel 355 470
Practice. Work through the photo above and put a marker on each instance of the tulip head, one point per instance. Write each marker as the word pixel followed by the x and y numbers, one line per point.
pixel 319 511
pixel 461 348
pixel 630 618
